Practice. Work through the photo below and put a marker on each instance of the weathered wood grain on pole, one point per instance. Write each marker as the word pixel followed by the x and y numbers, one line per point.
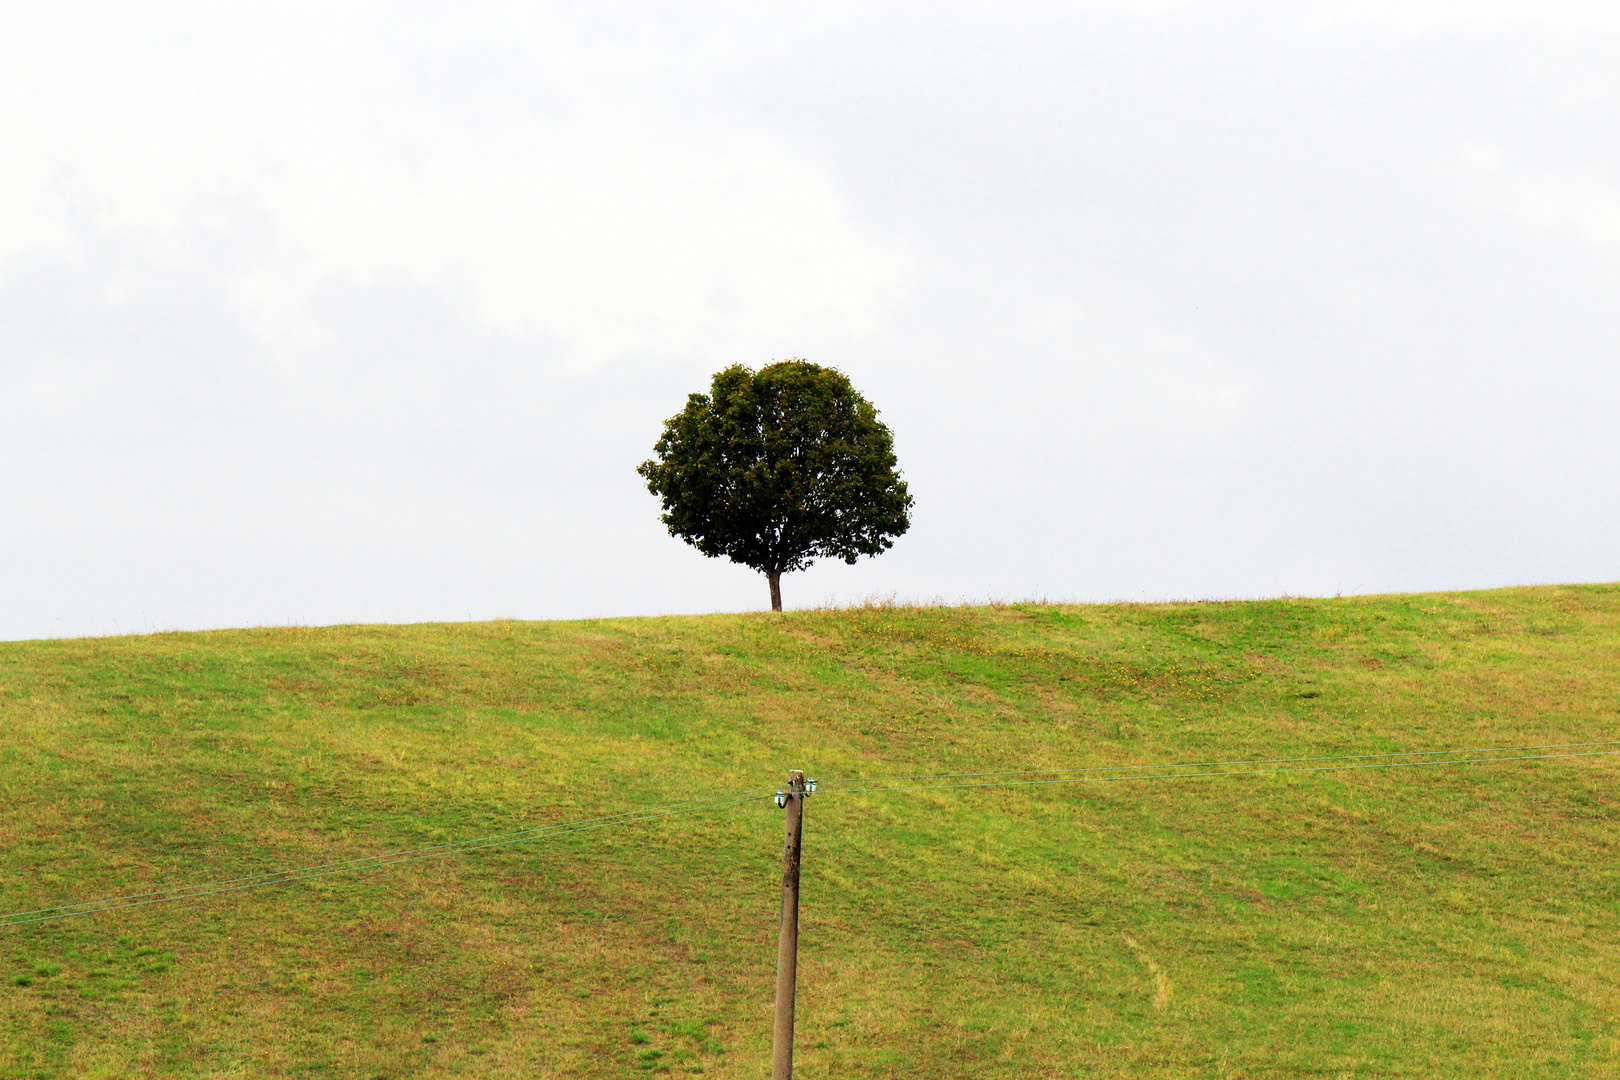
pixel 787 941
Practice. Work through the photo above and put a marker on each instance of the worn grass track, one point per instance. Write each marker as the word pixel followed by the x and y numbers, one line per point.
pixel 1451 922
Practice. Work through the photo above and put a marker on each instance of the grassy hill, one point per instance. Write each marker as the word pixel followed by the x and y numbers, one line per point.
pixel 1454 921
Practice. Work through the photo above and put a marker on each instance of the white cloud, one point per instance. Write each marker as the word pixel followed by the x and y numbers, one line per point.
pixel 1190 373
pixel 1575 201
pixel 504 161
pixel 1475 16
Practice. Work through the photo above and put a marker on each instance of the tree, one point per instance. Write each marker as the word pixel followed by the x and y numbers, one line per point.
pixel 778 467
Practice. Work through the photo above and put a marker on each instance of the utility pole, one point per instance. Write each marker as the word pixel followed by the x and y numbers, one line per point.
pixel 787 941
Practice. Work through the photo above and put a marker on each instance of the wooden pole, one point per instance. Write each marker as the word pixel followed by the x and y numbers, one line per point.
pixel 787 941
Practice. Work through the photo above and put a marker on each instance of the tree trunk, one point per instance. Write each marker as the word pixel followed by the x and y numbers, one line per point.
pixel 775 577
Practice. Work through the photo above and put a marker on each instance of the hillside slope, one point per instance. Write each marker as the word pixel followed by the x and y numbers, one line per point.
pixel 1456 921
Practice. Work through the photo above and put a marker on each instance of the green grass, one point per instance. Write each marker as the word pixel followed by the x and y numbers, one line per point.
pixel 1438 922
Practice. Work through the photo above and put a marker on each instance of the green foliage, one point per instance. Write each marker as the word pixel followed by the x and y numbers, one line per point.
pixel 776 468
pixel 1458 922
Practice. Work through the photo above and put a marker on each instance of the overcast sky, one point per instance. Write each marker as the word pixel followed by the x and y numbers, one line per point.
pixel 366 313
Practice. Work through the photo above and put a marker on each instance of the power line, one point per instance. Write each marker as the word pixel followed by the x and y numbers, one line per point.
pixel 1230 772
pixel 1116 774
pixel 1214 764
pixel 371 862
pixel 446 848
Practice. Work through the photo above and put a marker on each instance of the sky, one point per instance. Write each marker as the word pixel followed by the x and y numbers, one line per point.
pixel 335 313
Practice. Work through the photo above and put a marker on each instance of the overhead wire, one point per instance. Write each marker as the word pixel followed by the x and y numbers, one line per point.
pixel 1214 764
pixel 1095 775
pixel 371 862
pixel 447 848
pixel 1213 775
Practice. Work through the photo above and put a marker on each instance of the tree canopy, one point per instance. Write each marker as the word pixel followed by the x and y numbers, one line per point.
pixel 778 467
